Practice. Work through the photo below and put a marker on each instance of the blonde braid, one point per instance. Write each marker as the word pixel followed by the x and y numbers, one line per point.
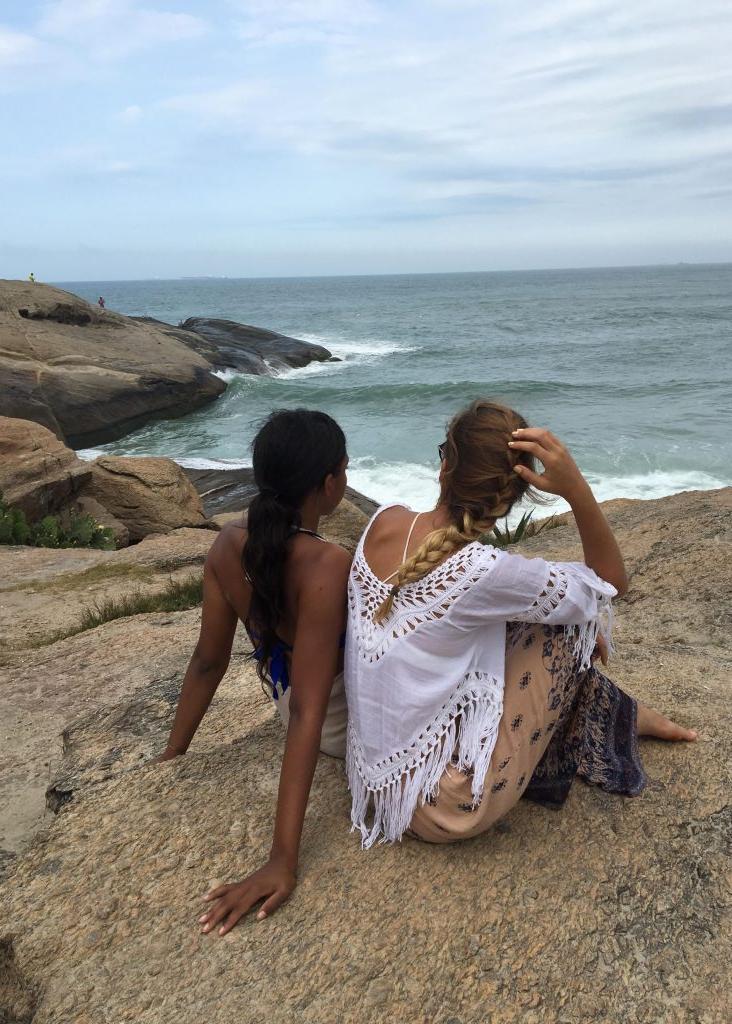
pixel 435 548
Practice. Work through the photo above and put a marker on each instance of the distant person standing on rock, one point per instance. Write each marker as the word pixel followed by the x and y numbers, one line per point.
pixel 32 277
pixel 101 303
pixel 287 584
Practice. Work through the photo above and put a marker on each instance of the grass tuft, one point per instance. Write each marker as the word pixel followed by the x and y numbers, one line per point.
pixel 178 596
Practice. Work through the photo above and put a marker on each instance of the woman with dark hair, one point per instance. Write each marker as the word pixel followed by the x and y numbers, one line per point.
pixel 469 669
pixel 278 576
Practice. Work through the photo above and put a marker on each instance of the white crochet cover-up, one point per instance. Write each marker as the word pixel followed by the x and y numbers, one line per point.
pixel 432 673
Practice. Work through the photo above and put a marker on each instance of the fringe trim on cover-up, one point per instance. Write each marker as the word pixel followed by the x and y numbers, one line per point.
pixel 395 785
pixel 463 735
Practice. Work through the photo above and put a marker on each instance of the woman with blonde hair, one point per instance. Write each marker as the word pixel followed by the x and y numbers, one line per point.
pixel 468 669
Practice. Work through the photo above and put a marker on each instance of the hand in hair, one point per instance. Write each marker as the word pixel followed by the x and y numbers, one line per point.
pixel 561 474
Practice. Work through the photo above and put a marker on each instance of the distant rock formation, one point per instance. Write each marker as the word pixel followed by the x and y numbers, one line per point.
pixel 91 375
pixel 88 374
pixel 254 349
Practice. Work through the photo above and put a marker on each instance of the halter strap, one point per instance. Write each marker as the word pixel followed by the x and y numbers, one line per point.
pixel 406 548
pixel 311 533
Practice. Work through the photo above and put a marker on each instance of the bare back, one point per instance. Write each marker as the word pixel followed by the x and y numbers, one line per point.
pixel 308 558
pixel 389 540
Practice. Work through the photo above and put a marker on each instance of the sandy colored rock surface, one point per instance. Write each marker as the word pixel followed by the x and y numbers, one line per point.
pixel 43 591
pixel 611 910
pixel 38 473
pixel 91 375
pixel 149 495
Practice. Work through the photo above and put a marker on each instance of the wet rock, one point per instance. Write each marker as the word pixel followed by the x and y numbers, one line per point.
pixel 254 349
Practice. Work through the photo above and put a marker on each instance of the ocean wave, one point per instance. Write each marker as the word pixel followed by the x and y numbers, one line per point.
pixel 410 483
pixel 347 348
pixel 193 462
pixel 415 485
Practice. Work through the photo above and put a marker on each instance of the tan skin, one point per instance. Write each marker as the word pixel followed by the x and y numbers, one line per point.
pixel 316 576
pixel 385 541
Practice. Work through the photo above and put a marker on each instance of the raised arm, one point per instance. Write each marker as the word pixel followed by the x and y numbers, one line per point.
pixel 321 620
pixel 562 476
pixel 207 666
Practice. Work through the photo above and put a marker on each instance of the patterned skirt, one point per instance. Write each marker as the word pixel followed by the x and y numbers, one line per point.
pixel 558 723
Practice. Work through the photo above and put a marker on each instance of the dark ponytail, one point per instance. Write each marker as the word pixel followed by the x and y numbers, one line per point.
pixel 293 452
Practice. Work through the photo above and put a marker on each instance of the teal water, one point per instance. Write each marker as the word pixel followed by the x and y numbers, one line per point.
pixel 631 367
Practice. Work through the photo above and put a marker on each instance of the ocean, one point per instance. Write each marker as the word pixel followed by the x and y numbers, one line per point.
pixel 631 367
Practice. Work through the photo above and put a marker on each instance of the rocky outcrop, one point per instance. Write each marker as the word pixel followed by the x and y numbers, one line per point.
pixel 133 497
pixel 231 490
pixel 91 375
pixel 38 473
pixel 254 349
pixel 149 495
pixel 610 910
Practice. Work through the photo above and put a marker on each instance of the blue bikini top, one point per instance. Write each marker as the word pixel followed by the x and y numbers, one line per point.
pixel 279 669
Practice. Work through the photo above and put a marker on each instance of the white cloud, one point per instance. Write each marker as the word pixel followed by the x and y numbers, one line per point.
pixel 289 22
pixel 17 49
pixel 130 114
pixel 226 106
pixel 113 29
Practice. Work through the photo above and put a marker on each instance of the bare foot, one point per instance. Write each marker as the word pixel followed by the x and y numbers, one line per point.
pixel 651 723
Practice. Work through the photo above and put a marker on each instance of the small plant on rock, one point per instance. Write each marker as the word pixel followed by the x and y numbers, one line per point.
pixel 75 530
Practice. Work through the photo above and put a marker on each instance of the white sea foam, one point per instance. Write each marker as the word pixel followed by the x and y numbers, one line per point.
pixel 196 463
pixel 89 454
pixel 351 349
pixel 415 485
pixel 655 484
pixel 346 352
pixel 411 483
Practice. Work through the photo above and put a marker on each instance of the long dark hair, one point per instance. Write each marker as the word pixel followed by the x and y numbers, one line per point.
pixel 293 452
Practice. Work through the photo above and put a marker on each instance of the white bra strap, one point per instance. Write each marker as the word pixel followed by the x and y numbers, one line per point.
pixel 406 547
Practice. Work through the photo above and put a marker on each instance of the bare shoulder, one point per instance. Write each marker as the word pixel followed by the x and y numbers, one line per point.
pixel 229 542
pixel 324 567
pixel 332 559
pixel 390 523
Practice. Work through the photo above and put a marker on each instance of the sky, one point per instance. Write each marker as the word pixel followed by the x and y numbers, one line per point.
pixel 293 137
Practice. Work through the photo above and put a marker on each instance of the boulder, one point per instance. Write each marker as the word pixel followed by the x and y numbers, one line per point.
pixel 255 349
pixel 231 490
pixel 91 375
pixel 609 910
pixel 148 495
pixel 38 473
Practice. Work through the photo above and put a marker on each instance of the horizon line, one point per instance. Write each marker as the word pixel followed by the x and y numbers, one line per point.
pixel 403 273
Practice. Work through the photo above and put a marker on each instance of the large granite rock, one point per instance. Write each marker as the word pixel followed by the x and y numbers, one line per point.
pixel 38 473
pixel 254 349
pixel 91 375
pixel 611 910
pixel 149 495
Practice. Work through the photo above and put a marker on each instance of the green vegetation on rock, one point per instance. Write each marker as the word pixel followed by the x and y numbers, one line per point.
pixel 524 529
pixel 75 530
